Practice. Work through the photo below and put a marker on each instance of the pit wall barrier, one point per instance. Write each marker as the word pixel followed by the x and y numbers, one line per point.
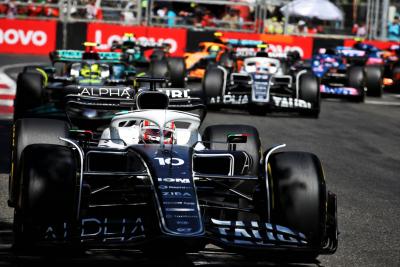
pixel 40 37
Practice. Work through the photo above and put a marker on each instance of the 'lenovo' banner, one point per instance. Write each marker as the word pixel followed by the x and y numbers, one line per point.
pixel 105 34
pixel 279 45
pixel 27 36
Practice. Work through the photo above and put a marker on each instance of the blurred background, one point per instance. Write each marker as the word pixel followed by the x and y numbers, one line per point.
pixel 371 19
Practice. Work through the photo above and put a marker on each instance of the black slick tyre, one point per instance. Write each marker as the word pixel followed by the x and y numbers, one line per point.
pixel 177 72
pixel 213 82
pixel 29 93
pixel 356 79
pixel 373 80
pixel 309 92
pixel 159 69
pixel 299 194
pixel 47 193
pixel 27 132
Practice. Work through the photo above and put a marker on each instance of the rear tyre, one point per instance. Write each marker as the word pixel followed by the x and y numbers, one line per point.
pixel 29 93
pixel 27 132
pixel 396 76
pixel 309 92
pixel 47 193
pixel 219 133
pixel 177 72
pixel 159 69
pixel 157 55
pixel 299 194
pixel 373 80
pixel 356 80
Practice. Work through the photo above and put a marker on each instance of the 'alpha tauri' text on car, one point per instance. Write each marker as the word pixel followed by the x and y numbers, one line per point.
pixel 152 181
pixel 261 84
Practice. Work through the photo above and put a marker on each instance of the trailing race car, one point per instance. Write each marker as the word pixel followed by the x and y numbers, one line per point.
pixel 154 183
pixel 218 52
pixel 197 62
pixel 44 90
pixel 261 84
pixel 160 63
pixel 391 75
pixel 348 72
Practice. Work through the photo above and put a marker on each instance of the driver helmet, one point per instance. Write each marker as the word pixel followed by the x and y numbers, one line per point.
pixel 90 71
pixel 214 49
pixel 150 133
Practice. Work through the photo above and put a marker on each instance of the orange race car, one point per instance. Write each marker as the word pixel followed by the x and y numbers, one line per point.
pixel 208 53
pixel 228 53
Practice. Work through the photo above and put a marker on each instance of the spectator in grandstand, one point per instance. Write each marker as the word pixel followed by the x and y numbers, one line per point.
pixel 359 30
pixel 171 17
pixel 93 9
pixel 187 17
pixel 208 19
pixel 230 19
pixel 273 26
pixel 320 28
pixel 301 28
pixel 11 8
pixel 3 8
pixel 162 12
pixel 128 14
pixel 51 11
pixel 312 30
pixel 394 29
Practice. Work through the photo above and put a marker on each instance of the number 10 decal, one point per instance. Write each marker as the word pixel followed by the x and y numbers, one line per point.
pixel 170 161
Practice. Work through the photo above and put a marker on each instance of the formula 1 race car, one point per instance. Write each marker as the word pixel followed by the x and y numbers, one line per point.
pixel 262 84
pixel 391 57
pixel 152 182
pixel 160 63
pixel 344 74
pixel 44 90
pixel 197 62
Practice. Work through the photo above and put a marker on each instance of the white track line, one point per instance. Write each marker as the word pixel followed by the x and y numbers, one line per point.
pixel 7 103
pixel 382 103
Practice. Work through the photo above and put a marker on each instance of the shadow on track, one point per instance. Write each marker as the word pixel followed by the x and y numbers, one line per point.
pixel 122 258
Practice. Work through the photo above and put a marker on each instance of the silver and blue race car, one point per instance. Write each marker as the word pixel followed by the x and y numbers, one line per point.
pixel 152 181
pixel 261 83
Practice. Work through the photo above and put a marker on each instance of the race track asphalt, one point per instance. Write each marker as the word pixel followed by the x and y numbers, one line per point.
pixel 359 146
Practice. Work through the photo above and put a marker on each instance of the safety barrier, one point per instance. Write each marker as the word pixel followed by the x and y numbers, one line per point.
pixel 40 37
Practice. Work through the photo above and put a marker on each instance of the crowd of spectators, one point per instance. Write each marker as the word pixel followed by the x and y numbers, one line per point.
pixel 30 8
pixel 171 14
pixel 204 16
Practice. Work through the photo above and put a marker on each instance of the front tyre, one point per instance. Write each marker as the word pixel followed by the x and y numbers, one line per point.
pixel 299 194
pixel 47 195
pixel 27 132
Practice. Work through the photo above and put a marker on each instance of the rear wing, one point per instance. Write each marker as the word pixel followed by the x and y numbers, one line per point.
pixel 236 43
pixel 350 52
pixel 76 56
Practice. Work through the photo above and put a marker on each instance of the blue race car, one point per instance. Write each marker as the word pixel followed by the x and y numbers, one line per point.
pixel 344 72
